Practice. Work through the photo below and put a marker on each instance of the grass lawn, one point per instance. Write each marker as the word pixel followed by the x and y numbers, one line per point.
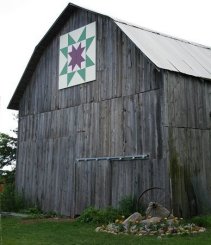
pixel 55 232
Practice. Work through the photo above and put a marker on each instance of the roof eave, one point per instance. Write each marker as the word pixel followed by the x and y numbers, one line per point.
pixel 38 51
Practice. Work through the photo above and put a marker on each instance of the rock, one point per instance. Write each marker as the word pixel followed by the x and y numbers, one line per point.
pixel 153 220
pixel 98 229
pixel 202 229
pixel 157 210
pixel 171 221
pixel 161 231
pixel 112 228
pixel 134 218
pixel 133 229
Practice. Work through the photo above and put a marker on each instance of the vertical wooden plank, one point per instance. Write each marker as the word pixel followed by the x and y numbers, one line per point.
pixel 105 128
pixel 116 127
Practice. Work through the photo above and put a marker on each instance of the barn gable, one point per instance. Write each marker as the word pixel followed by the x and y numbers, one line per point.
pixel 164 51
pixel 83 145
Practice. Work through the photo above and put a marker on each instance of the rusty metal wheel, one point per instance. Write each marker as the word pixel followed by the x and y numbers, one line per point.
pixel 153 194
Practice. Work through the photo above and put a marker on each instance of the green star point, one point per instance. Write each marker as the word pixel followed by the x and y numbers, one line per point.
pixel 69 77
pixel 89 62
pixel 83 35
pixel 64 70
pixel 89 42
pixel 64 51
pixel 82 73
pixel 71 41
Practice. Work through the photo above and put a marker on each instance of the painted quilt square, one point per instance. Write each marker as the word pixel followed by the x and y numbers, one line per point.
pixel 77 56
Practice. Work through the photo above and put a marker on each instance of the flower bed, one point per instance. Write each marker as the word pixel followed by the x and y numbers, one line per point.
pixel 152 227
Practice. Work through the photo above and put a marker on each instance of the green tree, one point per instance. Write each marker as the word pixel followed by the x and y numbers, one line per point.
pixel 10 200
pixel 8 146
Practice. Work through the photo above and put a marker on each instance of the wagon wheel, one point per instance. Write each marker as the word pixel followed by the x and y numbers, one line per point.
pixel 153 194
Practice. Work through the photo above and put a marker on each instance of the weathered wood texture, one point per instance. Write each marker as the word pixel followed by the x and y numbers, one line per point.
pixel 118 114
pixel 129 109
pixel 187 130
pixel 104 183
pixel 120 126
pixel 121 70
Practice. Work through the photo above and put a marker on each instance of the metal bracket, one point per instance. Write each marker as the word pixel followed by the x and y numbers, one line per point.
pixel 118 158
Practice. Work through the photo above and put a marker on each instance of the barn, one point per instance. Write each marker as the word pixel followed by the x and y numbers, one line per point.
pixel 108 109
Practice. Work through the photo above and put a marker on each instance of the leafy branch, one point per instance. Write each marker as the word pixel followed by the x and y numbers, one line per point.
pixel 8 146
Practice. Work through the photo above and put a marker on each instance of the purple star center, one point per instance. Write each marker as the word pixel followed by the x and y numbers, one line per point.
pixel 76 55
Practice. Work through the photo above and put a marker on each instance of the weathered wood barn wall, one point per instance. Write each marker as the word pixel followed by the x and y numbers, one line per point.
pixel 187 127
pixel 131 108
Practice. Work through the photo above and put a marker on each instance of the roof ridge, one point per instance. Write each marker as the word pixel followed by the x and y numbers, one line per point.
pixel 142 28
pixel 160 33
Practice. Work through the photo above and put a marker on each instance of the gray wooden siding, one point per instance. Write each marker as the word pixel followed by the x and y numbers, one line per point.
pixel 118 114
pixel 50 142
pixel 187 126
pixel 104 183
pixel 121 70
pixel 131 108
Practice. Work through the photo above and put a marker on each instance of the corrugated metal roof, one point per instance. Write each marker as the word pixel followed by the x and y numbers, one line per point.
pixel 170 53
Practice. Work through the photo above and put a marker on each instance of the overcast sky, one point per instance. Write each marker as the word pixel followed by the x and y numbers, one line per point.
pixel 24 22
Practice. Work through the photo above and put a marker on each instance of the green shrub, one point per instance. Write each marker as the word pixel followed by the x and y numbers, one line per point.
pixel 88 215
pixel 108 215
pixel 127 206
pixel 37 213
pixel 10 200
pixel 99 216
pixel 204 221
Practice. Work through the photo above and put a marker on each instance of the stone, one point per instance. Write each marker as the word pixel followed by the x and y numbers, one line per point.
pixel 134 218
pixel 112 228
pixel 157 210
pixel 133 229
pixel 98 229
pixel 171 221
pixel 153 220
pixel 202 229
